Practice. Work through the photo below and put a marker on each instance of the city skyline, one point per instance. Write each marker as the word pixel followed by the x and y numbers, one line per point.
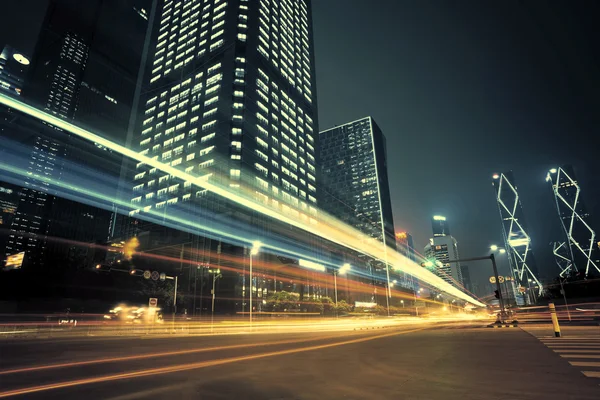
pixel 457 204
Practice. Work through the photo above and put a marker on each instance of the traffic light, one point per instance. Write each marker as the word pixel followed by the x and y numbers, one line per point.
pixel 496 294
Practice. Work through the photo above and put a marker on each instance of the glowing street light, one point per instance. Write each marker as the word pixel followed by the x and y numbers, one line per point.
pixel 256 245
pixel 343 270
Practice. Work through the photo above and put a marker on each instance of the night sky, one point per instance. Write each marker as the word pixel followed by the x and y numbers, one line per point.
pixel 461 89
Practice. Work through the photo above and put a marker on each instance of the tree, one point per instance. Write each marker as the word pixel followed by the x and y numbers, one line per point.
pixel 283 302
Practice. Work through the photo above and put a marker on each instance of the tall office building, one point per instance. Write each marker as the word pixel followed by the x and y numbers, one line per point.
pixel 576 253
pixel 86 62
pixel 354 186
pixel 441 249
pixel 514 229
pixel 440 226
pixel 353 159
pixel 231 97
pixel 84 69
pixel 13 68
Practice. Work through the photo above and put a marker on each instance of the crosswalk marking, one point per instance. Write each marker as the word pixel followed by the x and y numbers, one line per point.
pixel 584 364
pixel 577 351
pixel 580 355
pixel 570 351
pixel 592 374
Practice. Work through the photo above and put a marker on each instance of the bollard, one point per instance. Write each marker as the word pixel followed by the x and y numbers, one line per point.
pixel 554 319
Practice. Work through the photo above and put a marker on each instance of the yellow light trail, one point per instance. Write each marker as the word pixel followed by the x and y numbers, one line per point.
pixel 192 366
pixel 156 355
pixel 328 228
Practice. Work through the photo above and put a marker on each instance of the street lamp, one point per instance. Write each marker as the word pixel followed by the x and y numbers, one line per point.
pixel 256 245
pixel 216 273
pixel 343 269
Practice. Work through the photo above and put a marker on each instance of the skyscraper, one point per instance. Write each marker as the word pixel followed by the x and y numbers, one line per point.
pixel 354 186
pixel 231 98
pixel 86 62
pixel 84 69
pixel 353 161
pixel 13 68
pixel 514 229
pixel 440 226
pixel 441 249
pixel 576 253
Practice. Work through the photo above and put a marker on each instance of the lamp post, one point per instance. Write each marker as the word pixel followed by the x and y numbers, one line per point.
pixel 415 294
pixel 342 271
pixel 216 273
pixel 253 251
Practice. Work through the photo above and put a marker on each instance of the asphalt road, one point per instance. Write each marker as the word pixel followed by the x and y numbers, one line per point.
pixel 412 362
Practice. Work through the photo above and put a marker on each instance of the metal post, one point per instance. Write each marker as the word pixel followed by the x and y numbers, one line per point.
pixel 562 290
pixel 554 319
pixel 387 298
pixel 212 309
pixel 416 308
pixel 500 299
pixel 250 287
pixel 335 287
pixel 174 302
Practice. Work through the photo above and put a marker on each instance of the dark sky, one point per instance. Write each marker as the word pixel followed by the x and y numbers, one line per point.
pixel 461 89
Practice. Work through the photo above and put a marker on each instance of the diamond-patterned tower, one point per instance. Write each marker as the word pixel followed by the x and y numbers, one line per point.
pixel 576 254
pixel 515 231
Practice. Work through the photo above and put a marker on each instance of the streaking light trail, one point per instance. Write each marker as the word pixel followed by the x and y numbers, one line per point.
pixel 326 227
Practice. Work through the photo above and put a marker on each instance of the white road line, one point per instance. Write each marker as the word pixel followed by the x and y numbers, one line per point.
pixel 580 355
pixel 584 363
pixel 574 347
pixel 591 374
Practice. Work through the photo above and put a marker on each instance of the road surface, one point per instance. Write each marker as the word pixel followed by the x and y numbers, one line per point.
pixel 414 362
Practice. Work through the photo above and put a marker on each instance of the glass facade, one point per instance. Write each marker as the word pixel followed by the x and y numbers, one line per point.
pixel 355 184
pixel 230 99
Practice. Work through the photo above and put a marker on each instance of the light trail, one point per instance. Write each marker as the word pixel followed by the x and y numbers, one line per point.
pixel 192 366
pixel 156 355
pixel 328 228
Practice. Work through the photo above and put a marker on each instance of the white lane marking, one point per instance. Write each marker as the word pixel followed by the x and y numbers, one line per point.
pixel 577 351
pixel 580 355
pixel 591 374
pixel 584 363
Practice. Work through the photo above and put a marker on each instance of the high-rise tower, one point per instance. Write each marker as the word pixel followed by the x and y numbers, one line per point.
pixel 515 230
pixel 576 253
pixel 231 97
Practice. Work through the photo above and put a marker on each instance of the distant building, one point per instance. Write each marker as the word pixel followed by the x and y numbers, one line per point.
pixel 355 186
pixel 440 251
pixel 514 229
pixel 405 245
pixel 354 169
pixel 440 226
pixel 576 253
pixel 13 69
pixel 466 278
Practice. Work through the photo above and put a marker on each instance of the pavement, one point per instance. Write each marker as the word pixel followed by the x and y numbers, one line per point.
pixel 427 361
